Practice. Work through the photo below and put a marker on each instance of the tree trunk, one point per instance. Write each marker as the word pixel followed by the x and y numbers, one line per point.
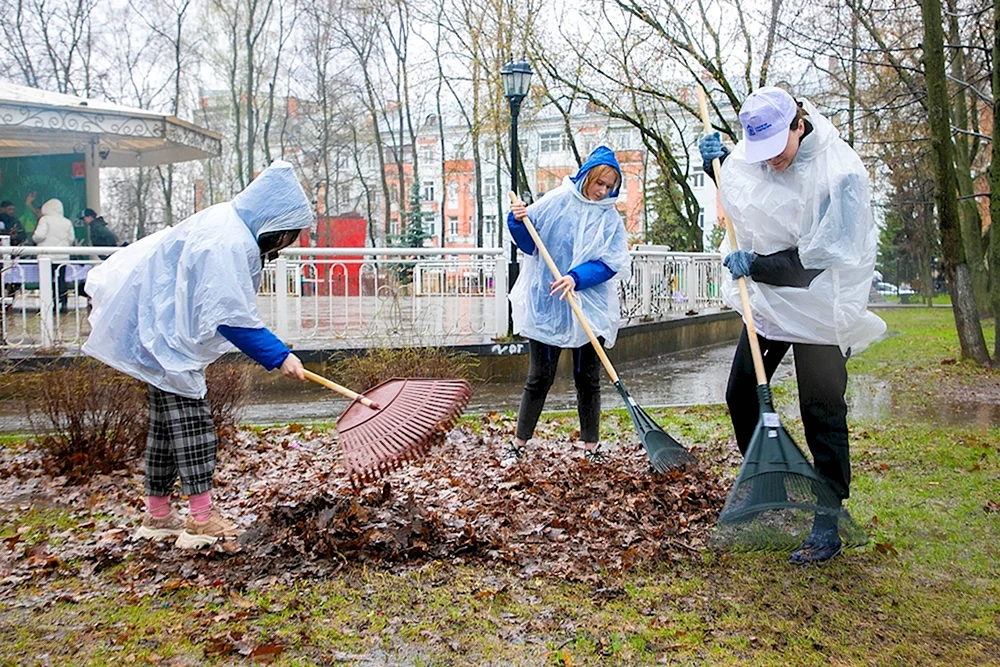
pixel 924 259
pixel 970 333
pixel 972 224
pixel 995 188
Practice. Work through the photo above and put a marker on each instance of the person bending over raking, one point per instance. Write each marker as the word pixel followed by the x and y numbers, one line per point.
pixel 167 306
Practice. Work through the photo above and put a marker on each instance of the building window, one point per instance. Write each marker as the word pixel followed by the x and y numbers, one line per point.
pixel 428 191
pixel 622 139
pixel 553 142
pixel 452 194
pixel 490 152
pixel 430 224
pixel 697 179
pixel 452 226
pixel 428 153
pixel 489 189
pixel 489 226
pixel 460 151
pixel 394 227
pixel 701 218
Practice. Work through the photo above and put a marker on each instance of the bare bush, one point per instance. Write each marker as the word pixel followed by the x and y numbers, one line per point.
pixel 229 391
pixel 95 419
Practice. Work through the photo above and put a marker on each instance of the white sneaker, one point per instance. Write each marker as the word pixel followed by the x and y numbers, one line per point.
pixel 197 534
pixel 512 454
pixel 156 529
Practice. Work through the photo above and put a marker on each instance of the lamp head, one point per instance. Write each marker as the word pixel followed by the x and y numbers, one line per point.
pixel 516 78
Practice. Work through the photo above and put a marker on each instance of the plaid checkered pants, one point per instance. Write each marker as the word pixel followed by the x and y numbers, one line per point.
pixel 181 441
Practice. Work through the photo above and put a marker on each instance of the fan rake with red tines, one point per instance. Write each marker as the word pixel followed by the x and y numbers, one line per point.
pixel 395 421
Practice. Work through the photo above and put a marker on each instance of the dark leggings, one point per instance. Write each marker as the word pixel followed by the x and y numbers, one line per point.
pixel 542 371
pixel 821 373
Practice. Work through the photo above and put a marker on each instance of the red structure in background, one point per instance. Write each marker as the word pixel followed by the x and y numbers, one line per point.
pixel 337 276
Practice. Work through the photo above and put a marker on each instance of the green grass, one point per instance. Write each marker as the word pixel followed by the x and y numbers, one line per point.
pixel 917 338
pixel 926 591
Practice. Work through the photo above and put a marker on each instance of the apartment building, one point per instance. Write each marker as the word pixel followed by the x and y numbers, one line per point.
pixel 448 188
pixel 343 177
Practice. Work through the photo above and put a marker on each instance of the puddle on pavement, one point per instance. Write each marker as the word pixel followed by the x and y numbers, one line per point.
pixel 691 377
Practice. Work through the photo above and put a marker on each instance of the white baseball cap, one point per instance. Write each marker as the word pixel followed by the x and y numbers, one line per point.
pixel 766 116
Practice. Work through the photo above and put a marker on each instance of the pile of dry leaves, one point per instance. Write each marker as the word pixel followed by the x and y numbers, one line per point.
pixel 555 512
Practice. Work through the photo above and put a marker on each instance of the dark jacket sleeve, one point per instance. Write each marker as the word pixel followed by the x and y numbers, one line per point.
pixel 707 166
pixel 783 268
pixel 519 232
pixel 101 235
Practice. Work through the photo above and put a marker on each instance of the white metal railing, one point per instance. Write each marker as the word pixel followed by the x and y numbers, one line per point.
pixel 347 297
pixel 664 283
pixel 391 296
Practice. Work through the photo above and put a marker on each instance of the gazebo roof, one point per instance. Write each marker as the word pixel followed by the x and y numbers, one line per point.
pixel 37 122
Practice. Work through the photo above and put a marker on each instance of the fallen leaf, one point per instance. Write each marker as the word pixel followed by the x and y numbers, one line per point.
pixel 266 652
pixel 886 548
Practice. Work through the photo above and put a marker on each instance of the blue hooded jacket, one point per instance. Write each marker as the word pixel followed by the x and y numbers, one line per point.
pixel 600 155
pixel 589 273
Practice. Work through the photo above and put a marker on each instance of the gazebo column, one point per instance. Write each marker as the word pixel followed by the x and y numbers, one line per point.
pixel 92 175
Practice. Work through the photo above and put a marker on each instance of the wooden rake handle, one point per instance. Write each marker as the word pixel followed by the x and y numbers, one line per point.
pixel 543 251
pixel 340 389
pixel 758 360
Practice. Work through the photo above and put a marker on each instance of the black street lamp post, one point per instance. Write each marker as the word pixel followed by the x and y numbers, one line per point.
pixel 515 77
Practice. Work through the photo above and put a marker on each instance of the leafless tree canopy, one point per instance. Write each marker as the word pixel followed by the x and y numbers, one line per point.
pixel 346 89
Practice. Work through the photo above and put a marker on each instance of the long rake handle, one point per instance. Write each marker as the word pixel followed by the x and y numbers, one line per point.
pixel 543 251
pixel 758 359
pixel 340 389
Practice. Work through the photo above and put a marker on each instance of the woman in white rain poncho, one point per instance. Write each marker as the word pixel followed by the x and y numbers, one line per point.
pixel 167 306
pixel 799 199
pixel 583 232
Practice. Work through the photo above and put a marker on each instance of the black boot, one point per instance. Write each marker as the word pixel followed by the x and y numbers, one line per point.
pixel 822 544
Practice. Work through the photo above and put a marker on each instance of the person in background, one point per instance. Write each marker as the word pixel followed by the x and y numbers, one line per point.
pixel 579 225
pixel 800 202
pixel 166 337
pixel 55 230
pixel 31 215
pixel 11 225
pixel 97 230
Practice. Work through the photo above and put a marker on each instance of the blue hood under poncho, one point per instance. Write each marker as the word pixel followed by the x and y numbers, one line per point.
pixel 158 303
pixel 575 230
pixel 600 155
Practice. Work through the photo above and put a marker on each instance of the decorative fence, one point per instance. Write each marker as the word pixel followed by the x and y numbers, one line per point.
pixel 352 297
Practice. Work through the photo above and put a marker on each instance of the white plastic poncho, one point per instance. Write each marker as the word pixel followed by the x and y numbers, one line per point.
pixel 158 303
pixel 821 205
pixel 574 230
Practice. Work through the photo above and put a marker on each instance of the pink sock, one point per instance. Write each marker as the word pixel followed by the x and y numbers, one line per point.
pixel 201 505
pixel 158 506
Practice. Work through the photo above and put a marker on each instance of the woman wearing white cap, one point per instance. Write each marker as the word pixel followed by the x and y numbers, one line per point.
pixel 799 198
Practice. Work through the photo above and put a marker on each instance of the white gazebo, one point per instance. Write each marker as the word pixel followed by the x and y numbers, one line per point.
pixel 37 122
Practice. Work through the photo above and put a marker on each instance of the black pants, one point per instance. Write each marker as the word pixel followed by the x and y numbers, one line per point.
pixel 61 286
pixel 821 373
pixel 542 371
